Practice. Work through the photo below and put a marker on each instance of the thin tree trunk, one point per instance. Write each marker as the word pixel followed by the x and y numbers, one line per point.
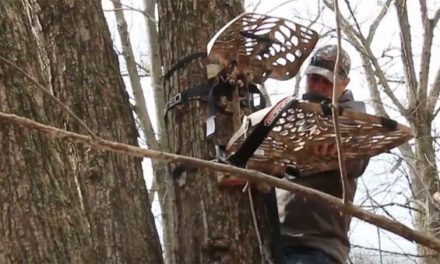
pixel 162 184
pixel 425 184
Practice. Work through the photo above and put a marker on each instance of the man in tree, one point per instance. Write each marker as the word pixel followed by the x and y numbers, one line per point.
pixel 313 232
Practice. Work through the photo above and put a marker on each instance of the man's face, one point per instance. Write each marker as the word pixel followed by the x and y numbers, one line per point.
pixel 320 85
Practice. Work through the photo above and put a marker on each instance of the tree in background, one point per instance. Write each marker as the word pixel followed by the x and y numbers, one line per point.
pixel 65 203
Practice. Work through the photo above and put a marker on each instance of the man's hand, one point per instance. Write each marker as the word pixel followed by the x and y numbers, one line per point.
pixel 325 150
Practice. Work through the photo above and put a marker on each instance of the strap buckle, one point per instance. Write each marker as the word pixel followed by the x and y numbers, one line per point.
pixel 175 100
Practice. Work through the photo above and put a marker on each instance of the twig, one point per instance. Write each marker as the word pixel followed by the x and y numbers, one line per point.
pixel 130 8
pixel 280 5
pixel 256 6
pixel 251 175
pixel 46 92
pixel 390 252
pixel 350 9
pixel 376 22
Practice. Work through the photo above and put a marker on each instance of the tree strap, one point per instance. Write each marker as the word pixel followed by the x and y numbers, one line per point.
pixel 207 92
pixel 182 63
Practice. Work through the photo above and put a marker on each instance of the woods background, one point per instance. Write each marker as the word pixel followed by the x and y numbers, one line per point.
pixel 67 203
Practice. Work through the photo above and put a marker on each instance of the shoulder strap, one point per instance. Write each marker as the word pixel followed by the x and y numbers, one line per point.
pixel 262 129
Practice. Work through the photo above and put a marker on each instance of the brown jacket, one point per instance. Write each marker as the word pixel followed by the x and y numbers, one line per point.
pixel 307 223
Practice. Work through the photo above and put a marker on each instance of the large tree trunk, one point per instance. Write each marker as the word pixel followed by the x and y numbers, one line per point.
pixel 65 203
pixel 211 224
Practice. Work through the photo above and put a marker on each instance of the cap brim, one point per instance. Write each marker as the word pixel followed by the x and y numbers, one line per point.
pixel 321 71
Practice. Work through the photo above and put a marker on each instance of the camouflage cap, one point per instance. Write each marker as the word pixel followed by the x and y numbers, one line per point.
pixel 323 62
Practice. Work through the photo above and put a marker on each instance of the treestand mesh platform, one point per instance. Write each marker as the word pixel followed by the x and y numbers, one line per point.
pixel 262 46
pixel 303 125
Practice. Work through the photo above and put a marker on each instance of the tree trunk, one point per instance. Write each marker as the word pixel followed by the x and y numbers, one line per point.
pixel 425 184
pixel 211 224
pixel 161 183
pixel 65 203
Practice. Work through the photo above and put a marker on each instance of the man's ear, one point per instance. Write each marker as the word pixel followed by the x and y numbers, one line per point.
pixel 346 81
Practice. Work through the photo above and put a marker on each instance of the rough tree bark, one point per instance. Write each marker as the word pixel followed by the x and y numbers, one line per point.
pixel 211 224
pixel 65 203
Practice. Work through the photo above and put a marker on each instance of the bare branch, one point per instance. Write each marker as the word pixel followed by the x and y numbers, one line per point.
pixel 390 252
pixel 318 15
pixel 428 36
pixel 407 54
pixel 256 6
pixel 280 5
pixel 376 22
pixel 130 8
pixel 343 21
pixel 363 47
pixel 434 94
pixel 423 10
pixel 377 204
pixel 350 9
pixel 253 176
pixel 139 65
pixel 372 86
pixel 436 18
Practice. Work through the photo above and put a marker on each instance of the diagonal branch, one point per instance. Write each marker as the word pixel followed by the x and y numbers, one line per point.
pixel 344 21
pixel 128 7
pixel 256 6
pixel 436 18
pixel 280 5
pixel 378 104
pixel 434 94
pixel 376 22
pixel 253 176
pixel 350 9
